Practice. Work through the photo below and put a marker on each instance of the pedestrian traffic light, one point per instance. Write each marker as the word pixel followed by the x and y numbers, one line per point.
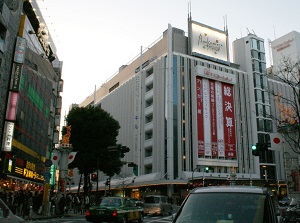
pixel 94 177
pixel 107 182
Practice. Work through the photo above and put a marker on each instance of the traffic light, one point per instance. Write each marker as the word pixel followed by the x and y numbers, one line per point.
pixel 207 169
pixel 123 150
pixel 94 177
pixel 107 182
pixel 255 150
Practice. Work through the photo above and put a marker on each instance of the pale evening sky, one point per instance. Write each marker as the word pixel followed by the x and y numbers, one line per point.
pixel 95 37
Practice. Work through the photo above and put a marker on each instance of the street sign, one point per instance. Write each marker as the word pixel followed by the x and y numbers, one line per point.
pixel 47 175
pixel 48 163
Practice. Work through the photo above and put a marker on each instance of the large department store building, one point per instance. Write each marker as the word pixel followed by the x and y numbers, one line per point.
pixel 188 114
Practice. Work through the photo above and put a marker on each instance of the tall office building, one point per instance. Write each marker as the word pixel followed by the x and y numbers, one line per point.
pixel 186 113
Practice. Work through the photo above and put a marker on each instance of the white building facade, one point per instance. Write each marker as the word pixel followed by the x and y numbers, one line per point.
pixel 186 113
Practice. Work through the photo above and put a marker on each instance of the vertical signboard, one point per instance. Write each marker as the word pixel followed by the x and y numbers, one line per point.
pixel 20 50
pixel 15 77
pixel 206 117
pixel 200 125
pixel 213 121
pixel 12 107
pixel 219 117
pixel 229 124
pixel 8 136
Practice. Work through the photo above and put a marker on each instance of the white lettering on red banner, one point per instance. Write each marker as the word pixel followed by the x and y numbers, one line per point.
pixel 200 126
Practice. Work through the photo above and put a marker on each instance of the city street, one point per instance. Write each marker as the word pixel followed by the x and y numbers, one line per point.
pixel 81 219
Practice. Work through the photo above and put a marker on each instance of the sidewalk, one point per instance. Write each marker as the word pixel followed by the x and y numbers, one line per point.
pixel 36 216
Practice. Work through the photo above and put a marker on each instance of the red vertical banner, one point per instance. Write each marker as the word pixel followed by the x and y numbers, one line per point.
pixel 200 125
pixel 213 119
pixel 229 123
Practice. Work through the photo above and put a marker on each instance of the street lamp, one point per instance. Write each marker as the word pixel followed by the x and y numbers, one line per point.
pixel 196 168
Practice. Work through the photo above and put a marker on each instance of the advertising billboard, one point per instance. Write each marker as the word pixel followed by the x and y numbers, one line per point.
pixel 208 41
pixel 215 115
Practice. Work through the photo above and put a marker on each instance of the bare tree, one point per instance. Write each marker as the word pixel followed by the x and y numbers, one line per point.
pixel 287 100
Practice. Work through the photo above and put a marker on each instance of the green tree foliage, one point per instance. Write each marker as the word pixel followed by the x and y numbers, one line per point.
pixel 92 131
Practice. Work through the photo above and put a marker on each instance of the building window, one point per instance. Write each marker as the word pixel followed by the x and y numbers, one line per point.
pixel 260 125
pixel 149 72
pixel 259 109
pixel 149 87
pixel 253 44
pixel 148 118
pixel 267 111
pixel 258 95
pixel 261 46
pixel 257 82
pixel 149 102
pixel 148 151
pixel 148 169
pixel 148 135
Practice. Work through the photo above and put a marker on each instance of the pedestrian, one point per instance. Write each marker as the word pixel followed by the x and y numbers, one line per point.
pixel 86 202
pixel 62 205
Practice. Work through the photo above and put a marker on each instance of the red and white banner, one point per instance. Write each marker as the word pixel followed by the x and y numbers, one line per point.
pixel 213 119
pixel 220 123
pixel 229 122
pixel 200 125
pixel 206 117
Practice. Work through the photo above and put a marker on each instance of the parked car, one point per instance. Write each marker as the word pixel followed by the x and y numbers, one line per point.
pixel 7 216
pixel 115 209
pixel 229 204
pixel 157 204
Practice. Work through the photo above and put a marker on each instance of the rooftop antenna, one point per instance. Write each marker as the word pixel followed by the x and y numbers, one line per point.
pixel 274 32
pixel 248 30
pixel 254 32
pixel 190 10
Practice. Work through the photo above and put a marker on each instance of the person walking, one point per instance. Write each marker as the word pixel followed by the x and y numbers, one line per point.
pixel 62 205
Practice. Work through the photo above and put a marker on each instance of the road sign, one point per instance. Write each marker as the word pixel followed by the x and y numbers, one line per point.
pixel 48 163
pixel 47 175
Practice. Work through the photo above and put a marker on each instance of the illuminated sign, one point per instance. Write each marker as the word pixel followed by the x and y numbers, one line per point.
pixel 11 116
pixel 8 136
pixel 208 41
pixel 29 172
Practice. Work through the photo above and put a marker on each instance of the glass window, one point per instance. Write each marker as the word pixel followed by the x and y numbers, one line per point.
pixel 262 57
pixel 259 109
pixel 260 124
pixel 254 44
pixel 223 207
pixel 264 82
pixel 255 65
pixel 261 46
pixel 268 125
pixel 266 99
pixel 262 67
pixel 254 54
pixel 257 82
pixel 267 111
pixel 258 95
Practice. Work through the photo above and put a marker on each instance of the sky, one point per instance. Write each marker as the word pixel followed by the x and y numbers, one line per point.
pixel 95 37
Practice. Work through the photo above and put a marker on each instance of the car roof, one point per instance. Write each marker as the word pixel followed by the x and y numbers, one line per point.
pixel 232 189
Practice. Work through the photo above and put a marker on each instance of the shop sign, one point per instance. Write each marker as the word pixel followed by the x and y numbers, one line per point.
pixel 20 50
pixel 29 172
pixel 8 136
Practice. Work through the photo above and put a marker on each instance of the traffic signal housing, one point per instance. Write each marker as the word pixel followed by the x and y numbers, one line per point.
pixel 123 150
pixel 94 177
pixel 107 182
pixel 255 151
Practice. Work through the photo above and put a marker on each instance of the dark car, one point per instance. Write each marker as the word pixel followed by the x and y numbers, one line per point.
pixel 115 209
pixel 284 201
pixel 228 204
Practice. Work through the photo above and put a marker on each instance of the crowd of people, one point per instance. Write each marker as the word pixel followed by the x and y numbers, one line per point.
pixel 22 201
pixel 26 202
